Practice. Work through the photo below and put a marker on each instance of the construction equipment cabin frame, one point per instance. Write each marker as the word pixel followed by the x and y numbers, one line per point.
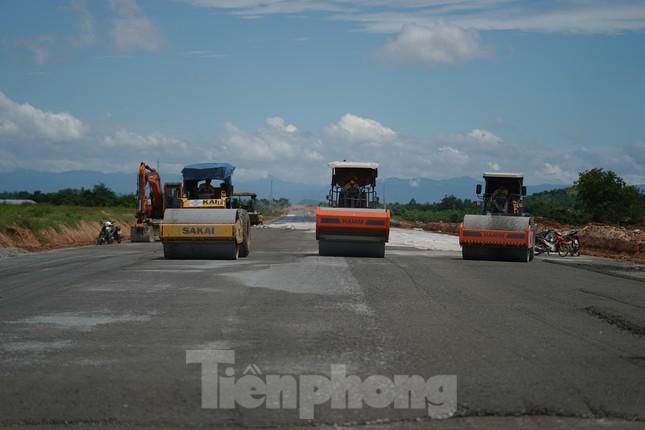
pixel 363 194
pixel 512 182
pixel 193 174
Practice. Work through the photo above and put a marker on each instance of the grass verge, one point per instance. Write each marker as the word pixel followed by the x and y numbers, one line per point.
pixel 43 216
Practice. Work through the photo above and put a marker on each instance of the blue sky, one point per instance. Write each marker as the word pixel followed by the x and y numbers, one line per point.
pixel 430 88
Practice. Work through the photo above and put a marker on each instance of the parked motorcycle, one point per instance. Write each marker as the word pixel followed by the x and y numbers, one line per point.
pixel 545 243
pixel 109 233
pixel 575 243
pixel 553 241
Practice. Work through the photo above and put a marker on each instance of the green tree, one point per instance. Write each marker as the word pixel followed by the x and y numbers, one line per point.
pixel 605 197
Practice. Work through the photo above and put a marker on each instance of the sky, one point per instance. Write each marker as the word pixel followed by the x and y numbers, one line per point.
pixel 427 88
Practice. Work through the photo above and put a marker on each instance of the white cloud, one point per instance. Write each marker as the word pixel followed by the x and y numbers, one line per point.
pixel 476 138
pixel 132 30
pixel 495 167
pixel 279 148
pixel 154 143
pixel 24 121
pixel 437 43
pixel 448 155
pixel 86 36
pixel 257 8
pixel 558 173
pixel 484 137
pixel 278 140
pixel 388 16
pixel 39 47
pixel 355 129
pixel 278 123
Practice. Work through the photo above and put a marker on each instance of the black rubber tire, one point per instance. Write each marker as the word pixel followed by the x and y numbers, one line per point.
pixel 563 250
pixel 245 246
pixel 183 251
pixel 330 248
pixel 525 255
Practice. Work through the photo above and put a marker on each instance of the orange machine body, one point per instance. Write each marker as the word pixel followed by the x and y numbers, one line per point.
pixel 501 238
pixel 366 224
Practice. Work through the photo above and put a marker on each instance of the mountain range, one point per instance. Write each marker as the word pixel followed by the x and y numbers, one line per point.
pixel 390 189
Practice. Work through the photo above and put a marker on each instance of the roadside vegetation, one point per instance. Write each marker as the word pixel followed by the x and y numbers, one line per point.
pixel 449 209
pixel 37 218
pixel 597 196
pixel 271 208
pixel 99 196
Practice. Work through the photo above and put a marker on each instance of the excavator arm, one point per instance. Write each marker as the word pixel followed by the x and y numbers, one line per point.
pixel 150 205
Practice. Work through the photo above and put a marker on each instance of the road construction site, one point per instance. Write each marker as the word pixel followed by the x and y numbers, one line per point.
pixel 99 335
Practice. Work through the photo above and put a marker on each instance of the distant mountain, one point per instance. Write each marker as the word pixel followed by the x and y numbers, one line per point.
pixel 390 189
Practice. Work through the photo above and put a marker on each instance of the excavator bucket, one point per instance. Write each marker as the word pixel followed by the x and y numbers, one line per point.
pixel 203 233
pixel 352 232
pixel 490 237
pixel 142 233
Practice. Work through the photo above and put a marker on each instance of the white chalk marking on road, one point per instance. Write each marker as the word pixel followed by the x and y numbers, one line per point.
pixel 81 321
pixel 308 275
pixel 425 240
pixel 35 346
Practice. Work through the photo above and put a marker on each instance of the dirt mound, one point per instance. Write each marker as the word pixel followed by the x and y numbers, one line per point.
pixel 442 227
pixel 611 241
pixel 84 233
pixel 549 224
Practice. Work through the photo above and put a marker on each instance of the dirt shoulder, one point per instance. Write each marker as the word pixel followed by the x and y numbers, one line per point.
pixel 42 227
pixel 601 240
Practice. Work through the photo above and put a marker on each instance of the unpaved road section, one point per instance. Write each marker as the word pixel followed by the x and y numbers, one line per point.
pixel 98 335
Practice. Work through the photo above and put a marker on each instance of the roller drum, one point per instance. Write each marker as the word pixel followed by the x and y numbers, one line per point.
pixel 496 222
pixel 351 248
pixel 200 216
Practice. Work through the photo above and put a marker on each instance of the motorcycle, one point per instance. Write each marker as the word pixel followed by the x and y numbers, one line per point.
pixel 109 233
pixel 553 241
pixel 545 243
pixel 575 243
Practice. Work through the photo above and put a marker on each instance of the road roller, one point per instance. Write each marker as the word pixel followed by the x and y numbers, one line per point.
pixel 503 231
pixel 202 222
pixel 352 223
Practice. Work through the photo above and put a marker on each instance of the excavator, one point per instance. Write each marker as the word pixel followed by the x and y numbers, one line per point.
pixel 352 224
pixel 200 220
pixel 150 205
pixel 503 231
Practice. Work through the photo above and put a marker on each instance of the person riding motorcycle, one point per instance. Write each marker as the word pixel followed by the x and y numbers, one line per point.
pixel 109 233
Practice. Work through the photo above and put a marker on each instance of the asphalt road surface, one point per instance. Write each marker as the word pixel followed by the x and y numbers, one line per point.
pixel 99 335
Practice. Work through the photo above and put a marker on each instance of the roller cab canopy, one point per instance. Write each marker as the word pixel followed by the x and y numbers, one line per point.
pixel 202 171
pixel 513 182
pixel 195 173
pixel 364 173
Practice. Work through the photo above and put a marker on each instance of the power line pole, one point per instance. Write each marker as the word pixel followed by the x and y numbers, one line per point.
pixel 271 193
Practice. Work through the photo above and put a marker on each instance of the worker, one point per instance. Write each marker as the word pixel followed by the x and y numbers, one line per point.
pixel 352 192
pixel 206 188
pixel 500 199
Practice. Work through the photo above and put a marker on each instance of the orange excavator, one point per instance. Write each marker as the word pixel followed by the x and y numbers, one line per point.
pixel 352 224
pixel 150 205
